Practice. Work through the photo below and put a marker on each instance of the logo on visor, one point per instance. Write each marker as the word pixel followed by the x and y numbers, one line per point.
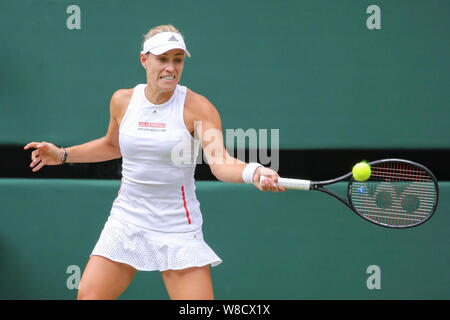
pixel 172 38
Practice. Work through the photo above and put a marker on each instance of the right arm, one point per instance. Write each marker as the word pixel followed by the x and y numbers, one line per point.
pixel 99 150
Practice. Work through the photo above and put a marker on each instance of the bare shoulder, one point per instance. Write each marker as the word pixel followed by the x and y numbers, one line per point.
pixel 120 101
pixel 199 107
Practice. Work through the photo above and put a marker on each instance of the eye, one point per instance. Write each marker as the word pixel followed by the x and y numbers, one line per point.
pixel 162 59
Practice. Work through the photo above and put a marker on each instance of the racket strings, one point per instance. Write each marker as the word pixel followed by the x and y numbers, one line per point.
pixel 397 194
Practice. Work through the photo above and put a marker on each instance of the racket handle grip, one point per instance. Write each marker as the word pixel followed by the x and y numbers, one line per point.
pixel 287 183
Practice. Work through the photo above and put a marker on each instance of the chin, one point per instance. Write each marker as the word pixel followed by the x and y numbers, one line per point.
pixel 166 87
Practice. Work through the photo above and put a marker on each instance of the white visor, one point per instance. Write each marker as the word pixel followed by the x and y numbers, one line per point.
pixel 163 42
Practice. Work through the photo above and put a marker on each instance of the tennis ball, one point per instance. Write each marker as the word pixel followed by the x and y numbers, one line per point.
pixel 361 171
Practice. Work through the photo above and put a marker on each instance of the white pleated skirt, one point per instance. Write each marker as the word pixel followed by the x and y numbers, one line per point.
pixel 149 250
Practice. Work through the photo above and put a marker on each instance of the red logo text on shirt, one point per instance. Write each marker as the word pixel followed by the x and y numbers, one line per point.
pixel 152 125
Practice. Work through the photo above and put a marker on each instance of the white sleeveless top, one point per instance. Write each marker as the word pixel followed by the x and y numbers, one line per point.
pixel 158 154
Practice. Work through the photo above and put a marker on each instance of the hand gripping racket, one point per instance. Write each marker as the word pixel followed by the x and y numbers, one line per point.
pixel 398 194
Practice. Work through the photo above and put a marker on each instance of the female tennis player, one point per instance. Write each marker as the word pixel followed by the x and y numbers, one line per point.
pixel 155 222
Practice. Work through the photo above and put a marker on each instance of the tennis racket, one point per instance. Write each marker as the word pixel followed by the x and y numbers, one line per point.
pixel 398 194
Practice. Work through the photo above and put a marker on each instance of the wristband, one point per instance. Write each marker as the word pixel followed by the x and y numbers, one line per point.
pixel 249 171
pixel 64 157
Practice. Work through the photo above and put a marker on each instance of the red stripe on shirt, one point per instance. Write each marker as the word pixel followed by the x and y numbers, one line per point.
pixel 185 207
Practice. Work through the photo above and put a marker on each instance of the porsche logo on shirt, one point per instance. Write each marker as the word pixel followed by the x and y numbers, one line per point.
pixel 152 126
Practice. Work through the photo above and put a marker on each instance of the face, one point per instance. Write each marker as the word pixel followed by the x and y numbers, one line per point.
pixel 164 71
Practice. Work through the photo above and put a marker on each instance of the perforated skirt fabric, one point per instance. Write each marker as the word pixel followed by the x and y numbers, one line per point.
pixel 149 250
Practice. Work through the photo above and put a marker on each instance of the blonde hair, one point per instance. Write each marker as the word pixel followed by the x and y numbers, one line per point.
pixel 159 29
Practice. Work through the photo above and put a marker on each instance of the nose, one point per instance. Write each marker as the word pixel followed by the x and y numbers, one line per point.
pixel 170 67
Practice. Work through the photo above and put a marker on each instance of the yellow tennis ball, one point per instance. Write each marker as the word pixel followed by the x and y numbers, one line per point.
pixel 361 171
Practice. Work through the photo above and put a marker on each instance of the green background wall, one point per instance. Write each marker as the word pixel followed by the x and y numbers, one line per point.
pixel 309 68
pixel 292 245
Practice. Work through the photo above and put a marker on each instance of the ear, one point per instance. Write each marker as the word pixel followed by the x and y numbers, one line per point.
pixel 144 60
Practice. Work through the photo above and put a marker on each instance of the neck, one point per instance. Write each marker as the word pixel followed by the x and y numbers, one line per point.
pixel 156 96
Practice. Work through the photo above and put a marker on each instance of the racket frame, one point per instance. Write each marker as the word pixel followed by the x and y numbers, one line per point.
pixel 436 198
pixel 319 186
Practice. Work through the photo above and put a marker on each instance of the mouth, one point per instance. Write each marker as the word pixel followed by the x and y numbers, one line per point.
pixel 167 78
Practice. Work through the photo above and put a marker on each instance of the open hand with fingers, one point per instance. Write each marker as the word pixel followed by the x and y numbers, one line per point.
pixel 45 154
